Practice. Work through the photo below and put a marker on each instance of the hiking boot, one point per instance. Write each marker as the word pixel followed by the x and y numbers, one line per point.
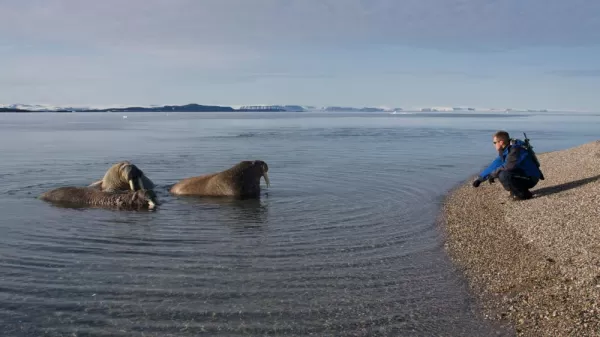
pixel 525 196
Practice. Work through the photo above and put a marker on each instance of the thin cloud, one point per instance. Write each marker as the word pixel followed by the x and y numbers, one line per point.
pixel 430 23
pixel 576 73
pixel 213 51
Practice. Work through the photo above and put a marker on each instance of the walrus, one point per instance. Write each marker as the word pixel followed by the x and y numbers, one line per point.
pixel 89 196
pixel 241 180
pixel 124 176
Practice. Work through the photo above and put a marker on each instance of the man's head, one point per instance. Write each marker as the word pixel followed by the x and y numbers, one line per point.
pixel 501 140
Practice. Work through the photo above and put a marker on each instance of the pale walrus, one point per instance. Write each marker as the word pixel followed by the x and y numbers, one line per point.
pixel 88 196
pixel 242 181
pixel 124 176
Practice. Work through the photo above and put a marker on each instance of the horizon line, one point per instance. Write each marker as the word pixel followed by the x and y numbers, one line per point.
pixel 441 108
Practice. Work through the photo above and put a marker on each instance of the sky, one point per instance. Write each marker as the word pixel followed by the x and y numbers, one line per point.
pixel 531 54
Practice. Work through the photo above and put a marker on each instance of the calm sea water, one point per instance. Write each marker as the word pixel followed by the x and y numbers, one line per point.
pixel 344 243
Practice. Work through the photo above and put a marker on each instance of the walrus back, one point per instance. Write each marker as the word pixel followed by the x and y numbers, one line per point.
pixel 75 195
pixel 89 196
pixel 208 185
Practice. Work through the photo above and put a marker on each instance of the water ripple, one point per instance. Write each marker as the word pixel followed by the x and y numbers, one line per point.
pixel 343 243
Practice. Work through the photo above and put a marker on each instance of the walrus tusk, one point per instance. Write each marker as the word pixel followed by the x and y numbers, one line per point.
pixel 131 185
pixel 266 176
pixel 140 181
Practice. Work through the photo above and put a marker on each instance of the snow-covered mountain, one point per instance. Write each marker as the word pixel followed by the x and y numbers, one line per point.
pixel 40 107
pixel 290 108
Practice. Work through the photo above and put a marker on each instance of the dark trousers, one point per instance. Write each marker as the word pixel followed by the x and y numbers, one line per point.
pixel 517 183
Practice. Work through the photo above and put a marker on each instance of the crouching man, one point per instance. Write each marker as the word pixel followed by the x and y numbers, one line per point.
pixel 515 167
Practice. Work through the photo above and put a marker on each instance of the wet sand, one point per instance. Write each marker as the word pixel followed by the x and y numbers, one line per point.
pixel 534 264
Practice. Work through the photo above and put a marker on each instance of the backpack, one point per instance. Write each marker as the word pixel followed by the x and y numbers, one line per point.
pixel 529 148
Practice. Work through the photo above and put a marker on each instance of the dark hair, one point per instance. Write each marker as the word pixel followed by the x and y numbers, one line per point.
pixel 503 135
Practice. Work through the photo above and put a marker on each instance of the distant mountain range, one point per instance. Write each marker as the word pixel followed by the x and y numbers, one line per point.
pixel 215 108
pixel 165 108
pixel 181 108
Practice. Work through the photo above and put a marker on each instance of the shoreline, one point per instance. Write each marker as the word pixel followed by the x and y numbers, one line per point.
pixel 533 264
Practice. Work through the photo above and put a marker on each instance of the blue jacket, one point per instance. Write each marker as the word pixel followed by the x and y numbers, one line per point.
pixel 514 157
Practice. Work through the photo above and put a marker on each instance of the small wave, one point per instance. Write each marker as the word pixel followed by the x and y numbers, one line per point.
pixel 343 243
pixel 35 189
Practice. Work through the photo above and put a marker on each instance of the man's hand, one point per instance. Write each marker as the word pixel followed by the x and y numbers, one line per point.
pixel 476 182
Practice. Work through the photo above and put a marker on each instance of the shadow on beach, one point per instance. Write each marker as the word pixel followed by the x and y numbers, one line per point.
pixel 564 187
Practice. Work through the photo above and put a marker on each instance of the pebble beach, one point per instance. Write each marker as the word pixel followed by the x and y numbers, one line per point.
pixel 533 265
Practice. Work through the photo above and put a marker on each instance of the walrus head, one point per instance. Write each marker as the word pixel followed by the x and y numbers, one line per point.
pixel 143 199
pixel 133 175
pixel 257 168
pixel 264 169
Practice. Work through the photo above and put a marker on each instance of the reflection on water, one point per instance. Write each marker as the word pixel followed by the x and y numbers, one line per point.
pixel 344 243
pixel 238 214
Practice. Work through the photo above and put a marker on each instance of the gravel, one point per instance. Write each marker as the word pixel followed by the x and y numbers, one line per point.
pixel 534 264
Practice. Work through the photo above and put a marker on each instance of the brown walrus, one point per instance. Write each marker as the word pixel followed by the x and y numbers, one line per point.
pixel 242 181
pixel 124 176
pixel 93 197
